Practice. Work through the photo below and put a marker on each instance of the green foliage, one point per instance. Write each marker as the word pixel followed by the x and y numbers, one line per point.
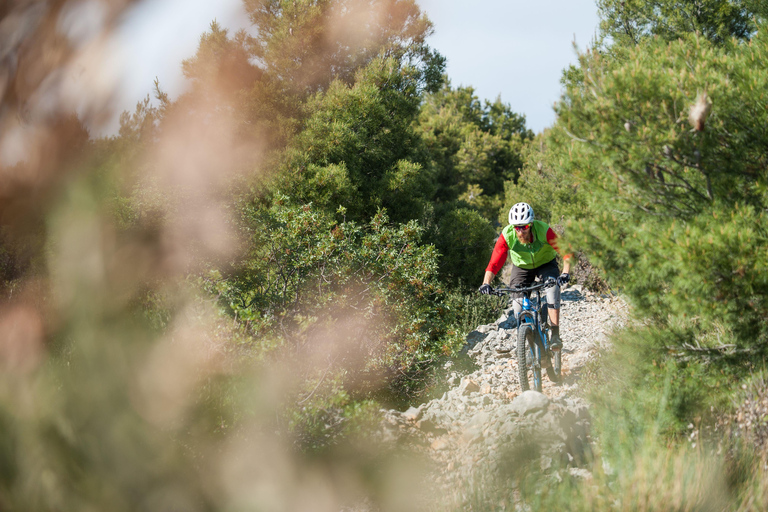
pixel 474 148
pixel 464 312
pixel 465 239
pixel 639 393
pixel 357 147
pixel 677 213
pixel 641 114
pixel 628 22
pixel 140 126
pixel 340 85
pixel 360 150
pixel 299 48
pixel 306 274
pixel 327 415
pixel 543 183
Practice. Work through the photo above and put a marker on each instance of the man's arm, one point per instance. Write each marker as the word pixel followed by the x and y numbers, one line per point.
pixel 552 240
pixel 498 258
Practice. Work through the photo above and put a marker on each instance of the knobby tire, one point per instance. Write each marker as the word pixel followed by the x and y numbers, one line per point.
pixel 525 339
pixel 554 372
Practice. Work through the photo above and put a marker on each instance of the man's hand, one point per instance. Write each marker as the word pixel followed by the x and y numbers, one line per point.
pixel 485 289
pixel 564 278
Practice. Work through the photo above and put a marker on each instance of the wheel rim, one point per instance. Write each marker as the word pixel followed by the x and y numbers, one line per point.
pixel 524 354
pixel 536 369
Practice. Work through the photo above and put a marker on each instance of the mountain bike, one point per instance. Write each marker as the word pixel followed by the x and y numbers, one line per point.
pixel 533 335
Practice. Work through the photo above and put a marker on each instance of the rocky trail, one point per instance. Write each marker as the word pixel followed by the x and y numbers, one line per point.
pixel 485 425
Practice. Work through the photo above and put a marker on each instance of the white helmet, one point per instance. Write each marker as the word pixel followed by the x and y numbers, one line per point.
pixel 520 214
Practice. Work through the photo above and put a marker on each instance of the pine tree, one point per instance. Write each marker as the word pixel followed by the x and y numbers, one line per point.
pixel 666 147
pixel 628 22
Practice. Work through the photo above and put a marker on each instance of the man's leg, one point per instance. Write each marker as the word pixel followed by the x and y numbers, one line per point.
pixel 519 277
pixel 555 343
pixel 553 305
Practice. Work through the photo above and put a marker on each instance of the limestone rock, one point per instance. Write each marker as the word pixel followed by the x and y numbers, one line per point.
pixel 413 414
pixel 440 444
pixel 529 402
pixel 468 386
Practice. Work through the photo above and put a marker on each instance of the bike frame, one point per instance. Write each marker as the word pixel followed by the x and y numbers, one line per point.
pixel 529 316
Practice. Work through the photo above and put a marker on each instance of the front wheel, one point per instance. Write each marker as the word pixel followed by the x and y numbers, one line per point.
pixel 527 351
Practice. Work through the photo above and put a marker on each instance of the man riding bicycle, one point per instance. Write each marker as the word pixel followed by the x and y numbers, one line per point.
pixel 532 245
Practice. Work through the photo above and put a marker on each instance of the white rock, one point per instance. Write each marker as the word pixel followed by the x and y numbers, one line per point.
pixel 530 401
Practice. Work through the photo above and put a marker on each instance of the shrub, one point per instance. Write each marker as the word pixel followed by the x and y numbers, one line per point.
pixel 372 290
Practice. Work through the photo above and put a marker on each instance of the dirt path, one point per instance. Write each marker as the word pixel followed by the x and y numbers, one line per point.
pixel 484 422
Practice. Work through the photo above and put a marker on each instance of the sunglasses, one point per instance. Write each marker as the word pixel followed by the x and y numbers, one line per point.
pixel 523 228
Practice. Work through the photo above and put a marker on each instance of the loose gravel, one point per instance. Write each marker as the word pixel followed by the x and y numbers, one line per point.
pixel 485 423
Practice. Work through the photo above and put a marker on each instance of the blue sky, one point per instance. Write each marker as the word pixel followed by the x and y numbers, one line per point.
pixel 510 48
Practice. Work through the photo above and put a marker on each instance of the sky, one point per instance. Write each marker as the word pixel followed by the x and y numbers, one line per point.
pixel 513 49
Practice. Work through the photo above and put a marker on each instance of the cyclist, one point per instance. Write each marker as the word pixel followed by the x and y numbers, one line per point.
pixel 532 245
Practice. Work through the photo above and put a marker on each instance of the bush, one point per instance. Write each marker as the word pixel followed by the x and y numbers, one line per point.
pixel 372 290
pixel 465 241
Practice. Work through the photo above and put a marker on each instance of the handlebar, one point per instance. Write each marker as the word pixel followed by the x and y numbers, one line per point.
pixel 551 281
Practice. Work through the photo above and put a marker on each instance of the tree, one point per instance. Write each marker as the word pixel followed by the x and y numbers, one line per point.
pixel 667 148
pixel 628 22
pixel 298 49
pixel 221 66
pixel 465 240
pixel 473 147
pixel 358 149
pixel 307 45
pixel 543 183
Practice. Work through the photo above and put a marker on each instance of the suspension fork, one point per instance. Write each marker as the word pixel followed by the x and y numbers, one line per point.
pixel 526 316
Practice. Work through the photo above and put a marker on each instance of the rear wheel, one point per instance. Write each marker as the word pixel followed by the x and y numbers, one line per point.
pixel 554 372
pixel 527 354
